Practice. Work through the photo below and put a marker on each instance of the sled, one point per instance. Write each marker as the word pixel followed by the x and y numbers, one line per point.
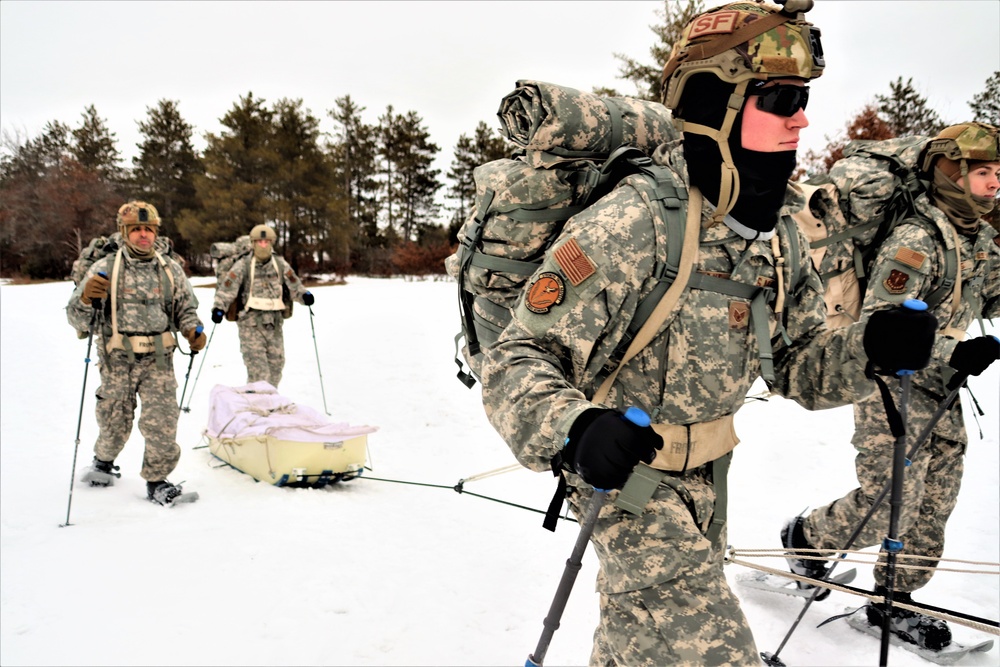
pixel 269 437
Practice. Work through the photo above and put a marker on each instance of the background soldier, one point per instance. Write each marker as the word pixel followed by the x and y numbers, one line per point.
pixel 663 594
pixel 150 298
pixel 262 286
pixel 963 166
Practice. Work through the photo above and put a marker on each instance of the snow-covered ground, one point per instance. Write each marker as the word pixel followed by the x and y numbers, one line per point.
pixel 374 572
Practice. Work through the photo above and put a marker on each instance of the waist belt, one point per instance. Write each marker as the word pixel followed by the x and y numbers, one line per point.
pixel 691 446
pixel 141 344
pixel 264 303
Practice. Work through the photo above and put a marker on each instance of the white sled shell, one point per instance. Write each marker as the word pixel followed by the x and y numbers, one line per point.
pixel 271 438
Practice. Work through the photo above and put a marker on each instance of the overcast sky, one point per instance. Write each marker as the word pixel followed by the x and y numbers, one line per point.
pixel 451 62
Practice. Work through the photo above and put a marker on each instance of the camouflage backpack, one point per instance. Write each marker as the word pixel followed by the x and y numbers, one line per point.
pixel 224 255
pixel 101 246
pixel 573 148
pixel 853 209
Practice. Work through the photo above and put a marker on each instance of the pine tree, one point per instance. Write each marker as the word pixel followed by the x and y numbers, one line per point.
pixel 164 172
pixel 354 153
pixel 94 147
pixel 646 78
pixel 485 146
pixel 906 112
pixel 417 183
pixel 867 124
pixel 986 105
pixel 241 165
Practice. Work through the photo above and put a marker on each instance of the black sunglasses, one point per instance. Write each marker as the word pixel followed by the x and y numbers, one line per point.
pixel 782 100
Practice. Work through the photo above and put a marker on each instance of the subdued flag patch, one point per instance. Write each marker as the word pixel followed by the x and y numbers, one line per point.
pixel 909 257
pixel 570 258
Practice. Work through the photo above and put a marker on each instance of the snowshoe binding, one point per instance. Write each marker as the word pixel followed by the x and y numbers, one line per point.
pixel 165 493
pixel 793 537
pixel 101 473
pixel 912 627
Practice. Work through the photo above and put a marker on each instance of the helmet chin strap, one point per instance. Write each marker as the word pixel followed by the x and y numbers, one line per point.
pixel 729 185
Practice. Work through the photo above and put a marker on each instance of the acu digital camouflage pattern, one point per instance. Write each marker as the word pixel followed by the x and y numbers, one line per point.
pixel 907 266
pixel 537 379
pixel 141 311
pixel 261 331
pixel 552 122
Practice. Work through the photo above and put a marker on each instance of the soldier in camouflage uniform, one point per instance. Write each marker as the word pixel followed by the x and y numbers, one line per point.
pixel 963 166
pixel 136 299
pixel 258 282
pixel 663 594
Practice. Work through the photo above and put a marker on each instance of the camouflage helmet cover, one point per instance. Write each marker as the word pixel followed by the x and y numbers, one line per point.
pixel 137 213
pixel 263 232
pixel 741 41
pixel 972 142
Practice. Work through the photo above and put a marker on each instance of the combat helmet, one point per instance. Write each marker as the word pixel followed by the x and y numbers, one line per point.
pixel 740 43
pixel 133 214
pixel 263 232
pixel 954 152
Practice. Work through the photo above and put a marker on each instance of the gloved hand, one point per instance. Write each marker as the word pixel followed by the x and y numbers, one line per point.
pixel 196 338
pixel 96 288
pixel 972 357
pixel 900 338
pixel 217 315
pixel 308 299
pixel 604 447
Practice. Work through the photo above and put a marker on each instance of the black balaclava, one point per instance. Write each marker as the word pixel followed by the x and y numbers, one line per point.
pixel 763 177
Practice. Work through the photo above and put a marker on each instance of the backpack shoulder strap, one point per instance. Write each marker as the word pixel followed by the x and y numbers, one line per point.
pixel 664 300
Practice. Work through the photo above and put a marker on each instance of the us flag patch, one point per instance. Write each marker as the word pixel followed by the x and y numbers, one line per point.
pixel 910 257
pixel 570 258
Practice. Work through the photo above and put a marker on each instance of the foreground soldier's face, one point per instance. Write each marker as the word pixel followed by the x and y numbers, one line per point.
pixel 769 132
pixel 141 236
pixel 263 243
pixel 984 180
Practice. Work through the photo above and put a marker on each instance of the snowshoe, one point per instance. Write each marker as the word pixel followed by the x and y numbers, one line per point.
pixel 910 626
pixel 165 493
pixel 100 473
pixel 793 537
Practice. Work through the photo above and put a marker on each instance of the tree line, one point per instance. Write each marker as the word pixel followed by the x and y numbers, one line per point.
pixel 362 200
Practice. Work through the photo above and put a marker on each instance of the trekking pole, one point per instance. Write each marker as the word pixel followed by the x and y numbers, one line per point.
pixel 897 427
pixel 83 393
pixel 316 347
pixel 200 366
pixel 575 561
pixel 891 543
pixel 955 386
pixel 198 329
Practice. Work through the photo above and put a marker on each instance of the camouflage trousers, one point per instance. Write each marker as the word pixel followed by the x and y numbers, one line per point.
pixel 121 384
pixel 663 594
pixel 930 491
pixel 262 343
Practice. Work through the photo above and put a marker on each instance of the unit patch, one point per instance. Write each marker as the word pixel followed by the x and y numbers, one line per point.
pixel 545 292
pixel 896 282
pixel 570 258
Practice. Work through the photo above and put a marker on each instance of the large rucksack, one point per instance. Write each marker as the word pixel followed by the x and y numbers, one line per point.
pixel 573 147
pixel 101 246
pixel 224 255
pixel 854 208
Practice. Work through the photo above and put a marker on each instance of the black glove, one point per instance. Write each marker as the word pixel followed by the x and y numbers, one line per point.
pixel 217 315
pixel 308 299
pixel 900 339
pixel 972 357
pixel 604 447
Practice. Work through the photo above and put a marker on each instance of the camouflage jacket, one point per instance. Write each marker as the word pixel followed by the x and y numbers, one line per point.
pixel 538 378
pixel 142 288
pixel 910 262
pixel 266 282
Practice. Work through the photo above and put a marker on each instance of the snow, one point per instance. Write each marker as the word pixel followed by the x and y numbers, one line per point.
pixel 394 568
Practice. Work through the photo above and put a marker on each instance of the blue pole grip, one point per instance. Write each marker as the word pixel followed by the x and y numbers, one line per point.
pixel 915 304
pixel 637 416
pixel 198 329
